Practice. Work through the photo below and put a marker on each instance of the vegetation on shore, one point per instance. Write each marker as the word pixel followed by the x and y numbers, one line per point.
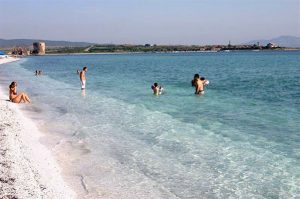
pixel 66 50
pixel 111 48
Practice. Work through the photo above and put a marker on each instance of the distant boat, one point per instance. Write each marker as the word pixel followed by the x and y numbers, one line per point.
pixel 226 50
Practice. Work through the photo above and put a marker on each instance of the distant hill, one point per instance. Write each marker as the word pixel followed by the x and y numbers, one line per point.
pixel 283 41
pixel 8 43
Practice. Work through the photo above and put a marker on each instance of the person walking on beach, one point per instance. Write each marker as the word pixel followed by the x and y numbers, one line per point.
pixel 83 78
pixel 14 96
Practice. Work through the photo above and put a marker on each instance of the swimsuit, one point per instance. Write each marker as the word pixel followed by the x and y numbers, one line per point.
pixel 83 84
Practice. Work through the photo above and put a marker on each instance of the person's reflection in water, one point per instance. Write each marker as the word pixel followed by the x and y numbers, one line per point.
pixel 83 93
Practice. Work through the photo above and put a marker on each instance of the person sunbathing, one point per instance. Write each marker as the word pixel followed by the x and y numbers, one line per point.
pixel 14 96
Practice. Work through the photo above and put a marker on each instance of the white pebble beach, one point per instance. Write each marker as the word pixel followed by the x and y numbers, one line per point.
pixel 27 168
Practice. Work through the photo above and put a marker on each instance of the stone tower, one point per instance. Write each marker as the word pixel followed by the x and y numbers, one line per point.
pixel 39 48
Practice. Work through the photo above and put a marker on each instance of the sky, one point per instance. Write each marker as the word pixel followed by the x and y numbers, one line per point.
pixel 196 22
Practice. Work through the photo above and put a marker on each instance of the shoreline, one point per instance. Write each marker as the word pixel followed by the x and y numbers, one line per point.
pixel 28 169
pixel 109 53
pixel 108 147
pixel 8 59
pixel 180 52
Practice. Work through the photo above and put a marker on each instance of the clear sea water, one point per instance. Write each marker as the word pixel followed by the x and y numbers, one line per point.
pixel 240 140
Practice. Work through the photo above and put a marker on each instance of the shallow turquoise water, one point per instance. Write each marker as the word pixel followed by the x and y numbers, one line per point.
pixel 240 140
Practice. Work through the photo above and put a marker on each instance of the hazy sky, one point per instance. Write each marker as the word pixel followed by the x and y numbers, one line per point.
pixel 150 21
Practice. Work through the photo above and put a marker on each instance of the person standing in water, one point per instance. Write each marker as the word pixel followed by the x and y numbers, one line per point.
pixel 200 86
pixel 195 82
pixel 199 83
pixel 83 78
pixel 157 90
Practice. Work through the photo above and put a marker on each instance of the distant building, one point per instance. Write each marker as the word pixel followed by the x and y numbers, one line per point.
pixel 271 45
pixel 229 44
pixel 39 48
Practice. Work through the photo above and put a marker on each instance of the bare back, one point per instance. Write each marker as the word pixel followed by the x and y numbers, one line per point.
pixel 82 75
pixel 199 86
pixel 12 93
